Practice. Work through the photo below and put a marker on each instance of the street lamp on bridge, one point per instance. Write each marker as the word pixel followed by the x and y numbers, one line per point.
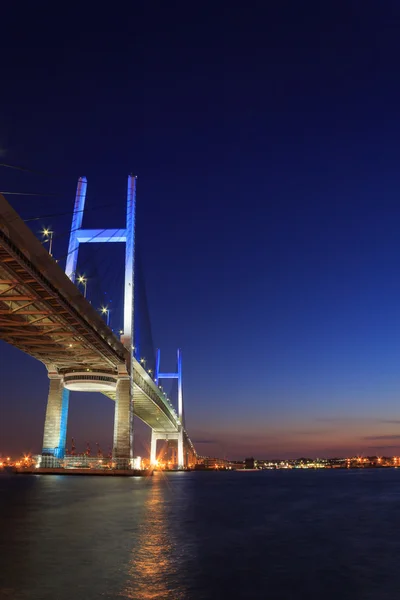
pixel 48 235
pixel 106 311
pixel 83 280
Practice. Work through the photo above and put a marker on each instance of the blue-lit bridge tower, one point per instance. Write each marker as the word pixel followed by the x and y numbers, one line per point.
pixel 123 421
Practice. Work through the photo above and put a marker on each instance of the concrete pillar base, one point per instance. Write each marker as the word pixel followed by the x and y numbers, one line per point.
pixel 123 424
pixel 123 463
pixel 181 460
pixel 153 448
pixel 50 462
pixel 55 427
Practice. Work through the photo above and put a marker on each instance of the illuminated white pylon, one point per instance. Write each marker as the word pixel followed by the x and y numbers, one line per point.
pixel 154 435
pixel 123 422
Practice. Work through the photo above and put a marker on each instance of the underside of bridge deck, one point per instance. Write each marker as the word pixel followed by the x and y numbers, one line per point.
pixel 42 312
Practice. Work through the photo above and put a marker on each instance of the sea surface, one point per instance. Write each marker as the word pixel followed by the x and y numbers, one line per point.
pixel 265 535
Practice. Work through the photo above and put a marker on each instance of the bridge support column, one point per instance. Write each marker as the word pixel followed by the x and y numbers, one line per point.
pixel 153 448
pixel 175 375
pixel 55 427
pixel 123 425
pixel 181 460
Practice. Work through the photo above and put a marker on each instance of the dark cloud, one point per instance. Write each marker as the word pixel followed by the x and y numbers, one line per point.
pixel 312 432
pixel 333 420
pixel 391 421
pixel 383 447
pixel 346 420
pixel 382 437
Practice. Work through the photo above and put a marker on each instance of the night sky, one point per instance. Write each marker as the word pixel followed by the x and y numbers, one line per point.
pixel 266 140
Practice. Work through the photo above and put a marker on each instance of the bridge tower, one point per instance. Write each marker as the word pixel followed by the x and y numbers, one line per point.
pixel 156 435
pixel 57 405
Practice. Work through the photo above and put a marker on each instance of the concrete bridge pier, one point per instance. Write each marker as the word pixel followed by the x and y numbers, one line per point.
pixel 55 428
pixel 123 425
pixel 153 448
pixel 157 435
pixel 181 460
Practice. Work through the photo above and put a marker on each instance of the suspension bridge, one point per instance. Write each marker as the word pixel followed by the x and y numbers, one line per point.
pixel 45 314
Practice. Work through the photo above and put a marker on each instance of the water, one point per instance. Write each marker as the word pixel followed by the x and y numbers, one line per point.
pixel 271 535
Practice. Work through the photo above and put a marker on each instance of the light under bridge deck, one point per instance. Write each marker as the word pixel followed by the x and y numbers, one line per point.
pixel 44 314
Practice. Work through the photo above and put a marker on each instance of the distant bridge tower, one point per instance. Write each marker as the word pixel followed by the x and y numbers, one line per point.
pixel 57 407
pixel 157 435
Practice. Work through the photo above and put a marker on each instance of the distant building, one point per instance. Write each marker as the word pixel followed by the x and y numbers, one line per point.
pixel 249 463
pixel 208 462
pixel 236 464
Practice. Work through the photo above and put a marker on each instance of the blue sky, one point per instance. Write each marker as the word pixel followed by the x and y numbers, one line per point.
pixel 266 147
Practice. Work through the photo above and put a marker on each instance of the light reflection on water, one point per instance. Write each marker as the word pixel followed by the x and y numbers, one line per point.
pixel 154 568
pixel 201 536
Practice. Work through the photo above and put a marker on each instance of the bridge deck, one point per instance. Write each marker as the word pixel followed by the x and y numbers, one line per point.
pixel 41 311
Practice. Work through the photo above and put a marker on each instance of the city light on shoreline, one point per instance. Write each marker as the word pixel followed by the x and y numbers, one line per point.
pixel 26 461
